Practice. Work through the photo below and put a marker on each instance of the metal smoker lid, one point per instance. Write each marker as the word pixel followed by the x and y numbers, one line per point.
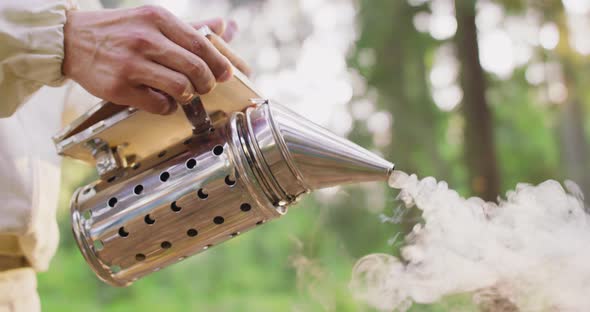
pixel 124 128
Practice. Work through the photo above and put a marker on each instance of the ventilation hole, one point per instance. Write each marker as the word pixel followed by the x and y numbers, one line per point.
pixel 164 176
pixel 112 202
pixel 202 195
pixel 234 234
pixel 191 163
pixel 139 257
pixel 166 244
pixel 162 154
pixel 188 141
pixel 218 220
pixel 192 232
pixel 135 166
pixel 115 268
pixel 87 214
pixel 112 179
pixel 260 222
pixel 138 189
pixel 229 181
pixel 149 220
pixel 218 150
pixel 175 207
pixel 123 232
pixel 98 245
pixel 245 207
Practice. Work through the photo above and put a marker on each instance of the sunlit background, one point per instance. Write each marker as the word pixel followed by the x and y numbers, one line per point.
pixel 393 76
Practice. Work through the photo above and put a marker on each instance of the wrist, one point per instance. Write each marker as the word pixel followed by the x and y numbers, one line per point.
pixel 68 31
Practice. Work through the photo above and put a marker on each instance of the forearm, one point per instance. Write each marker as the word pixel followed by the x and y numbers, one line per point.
pixel 31 48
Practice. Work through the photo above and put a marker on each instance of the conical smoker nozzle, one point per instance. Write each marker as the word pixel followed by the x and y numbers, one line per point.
pixel 302 156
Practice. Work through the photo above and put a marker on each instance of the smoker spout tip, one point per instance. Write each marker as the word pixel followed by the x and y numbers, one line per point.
pixel 390 171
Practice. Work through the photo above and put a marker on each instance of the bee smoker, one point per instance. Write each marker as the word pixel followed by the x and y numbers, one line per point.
pixel 172 186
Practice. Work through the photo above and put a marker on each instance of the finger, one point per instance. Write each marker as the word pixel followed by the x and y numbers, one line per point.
pixel 231 29
pixel 217 25
pixel 159 77
pixel 182 61
pixel 226 50
pixel 149 100
pixel 190 39
pixel 172 104
pixel 225 29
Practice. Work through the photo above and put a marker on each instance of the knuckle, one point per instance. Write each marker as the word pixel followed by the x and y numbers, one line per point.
pixel 199 45
pixel 127 69
pixel 151 12
pixel 178 86
pixel 196 69
pixel 139 40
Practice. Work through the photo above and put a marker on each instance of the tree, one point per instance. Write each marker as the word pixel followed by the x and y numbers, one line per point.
pixel 479 145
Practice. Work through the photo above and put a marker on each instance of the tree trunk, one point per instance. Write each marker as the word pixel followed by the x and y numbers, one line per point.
pixel 575 150
pixel 479 147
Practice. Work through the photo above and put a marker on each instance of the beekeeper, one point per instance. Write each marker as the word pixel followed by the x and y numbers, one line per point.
pixel 143 57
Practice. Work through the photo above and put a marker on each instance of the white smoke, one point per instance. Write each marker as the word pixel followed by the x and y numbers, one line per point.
pixel 530 252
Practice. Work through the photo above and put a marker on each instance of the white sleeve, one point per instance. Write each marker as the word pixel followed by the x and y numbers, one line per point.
pixel 31 48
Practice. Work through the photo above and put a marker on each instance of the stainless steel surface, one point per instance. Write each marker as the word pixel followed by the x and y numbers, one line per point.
pixel 277 161
pixel 107 160
pixel 320 158
pixel 215 175
pixel 302 156
pixel 178 208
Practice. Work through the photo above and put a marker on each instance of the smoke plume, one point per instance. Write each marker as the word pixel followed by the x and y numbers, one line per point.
pixel 529 252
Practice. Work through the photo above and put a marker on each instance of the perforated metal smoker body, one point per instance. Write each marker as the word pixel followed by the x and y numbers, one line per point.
pixel 184 205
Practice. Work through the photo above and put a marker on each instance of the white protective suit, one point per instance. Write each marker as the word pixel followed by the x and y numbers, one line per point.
pixel 31 53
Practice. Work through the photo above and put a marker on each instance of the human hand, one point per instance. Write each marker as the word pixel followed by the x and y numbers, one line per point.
pixel 143 57
pixel 223 32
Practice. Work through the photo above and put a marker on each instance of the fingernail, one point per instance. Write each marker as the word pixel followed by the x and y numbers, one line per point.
pixel 227 74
